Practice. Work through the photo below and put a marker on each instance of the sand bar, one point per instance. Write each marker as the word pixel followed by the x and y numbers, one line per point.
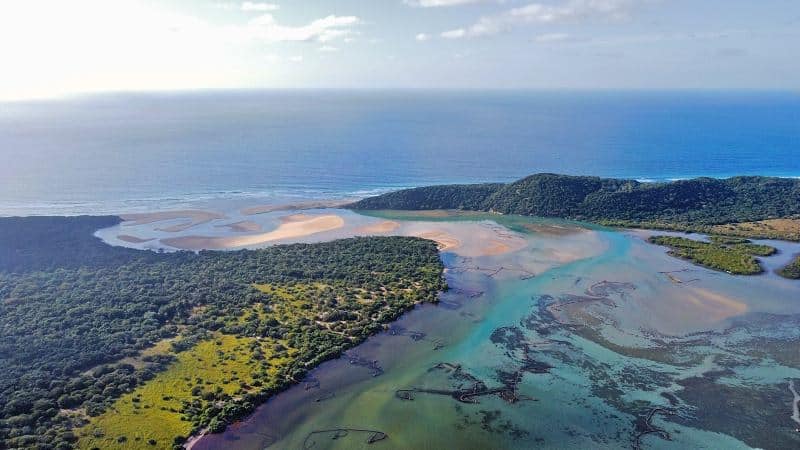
pixel 244 226
pixel 194 216
pixel 263 209
pixel 295 218
pixel 387 226
pixel 552 230
pixel 287 230
pixel 712 305
pixel 133 239
pixel 445 241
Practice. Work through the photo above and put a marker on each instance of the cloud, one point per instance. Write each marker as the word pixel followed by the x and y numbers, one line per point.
pixel 328 49
pixel 543 14
pixel 327 29
pixel 259 6
pixel 438 3
pixel 422 37
pixel 296 59
pixel 454 34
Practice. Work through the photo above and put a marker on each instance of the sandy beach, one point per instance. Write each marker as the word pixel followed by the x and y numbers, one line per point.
pixel 194 216
pixel 292 228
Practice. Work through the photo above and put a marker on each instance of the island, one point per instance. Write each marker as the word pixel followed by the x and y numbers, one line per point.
pixel 732 255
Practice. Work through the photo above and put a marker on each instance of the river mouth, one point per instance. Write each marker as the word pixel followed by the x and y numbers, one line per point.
pixel 552 335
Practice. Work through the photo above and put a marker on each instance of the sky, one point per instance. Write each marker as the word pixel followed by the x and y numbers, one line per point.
pixel 63 47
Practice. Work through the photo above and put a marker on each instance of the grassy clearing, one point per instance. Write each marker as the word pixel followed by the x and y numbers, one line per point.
pixel 732 255
pixel 787 229
pixel 226 366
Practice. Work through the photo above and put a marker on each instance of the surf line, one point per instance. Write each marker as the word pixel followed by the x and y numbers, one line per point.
pixel 795 404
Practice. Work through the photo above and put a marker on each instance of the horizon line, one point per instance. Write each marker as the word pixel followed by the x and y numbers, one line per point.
pixel 242 90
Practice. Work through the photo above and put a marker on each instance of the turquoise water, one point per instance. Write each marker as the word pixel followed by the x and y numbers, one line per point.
pixel 118 153
pixel 589 377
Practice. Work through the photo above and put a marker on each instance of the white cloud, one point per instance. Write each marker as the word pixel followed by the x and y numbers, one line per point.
pixel 454 34
pixel 296 59
pixel 422 37
pixel 541 13
pixel 327 29
pixel 259 6
pixel 328 48
pixel 438 3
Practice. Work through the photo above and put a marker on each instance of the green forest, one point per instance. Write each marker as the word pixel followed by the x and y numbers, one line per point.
pixel 684 204
pixel 732 255
pixel 87 331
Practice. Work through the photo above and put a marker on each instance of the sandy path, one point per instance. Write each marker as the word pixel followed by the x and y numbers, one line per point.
pixel 287 230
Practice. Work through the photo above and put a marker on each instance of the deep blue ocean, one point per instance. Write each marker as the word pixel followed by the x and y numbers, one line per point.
pixel 123 152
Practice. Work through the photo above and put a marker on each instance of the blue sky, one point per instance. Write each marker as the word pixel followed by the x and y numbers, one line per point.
pixel 57 47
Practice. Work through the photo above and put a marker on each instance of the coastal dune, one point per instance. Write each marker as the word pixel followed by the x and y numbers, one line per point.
pixel 291 227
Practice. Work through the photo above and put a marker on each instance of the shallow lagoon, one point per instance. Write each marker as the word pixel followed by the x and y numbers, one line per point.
pixel 577 337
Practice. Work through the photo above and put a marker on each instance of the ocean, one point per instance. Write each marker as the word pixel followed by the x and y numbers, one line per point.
pixel 115 153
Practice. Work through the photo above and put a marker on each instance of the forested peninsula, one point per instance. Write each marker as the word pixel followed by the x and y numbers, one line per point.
pixel 108 347
pixel 746 206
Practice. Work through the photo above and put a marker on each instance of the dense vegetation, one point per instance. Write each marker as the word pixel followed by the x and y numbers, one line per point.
pixel 792 270
pixel 67 242
pixel 97 342
pixel 687 203
pixel 732 255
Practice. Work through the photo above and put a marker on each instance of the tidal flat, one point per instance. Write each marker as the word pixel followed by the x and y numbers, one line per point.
pixel 553 334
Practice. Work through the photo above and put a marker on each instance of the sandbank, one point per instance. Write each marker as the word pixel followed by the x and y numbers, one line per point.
pixel 263 209
pixel 295 218
pixel 716 307
pixel 445 241
pixel 244 226
pixel 133 239
pixel 387 226
pixel 553 230
pixel 195 217
pixel 287 230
